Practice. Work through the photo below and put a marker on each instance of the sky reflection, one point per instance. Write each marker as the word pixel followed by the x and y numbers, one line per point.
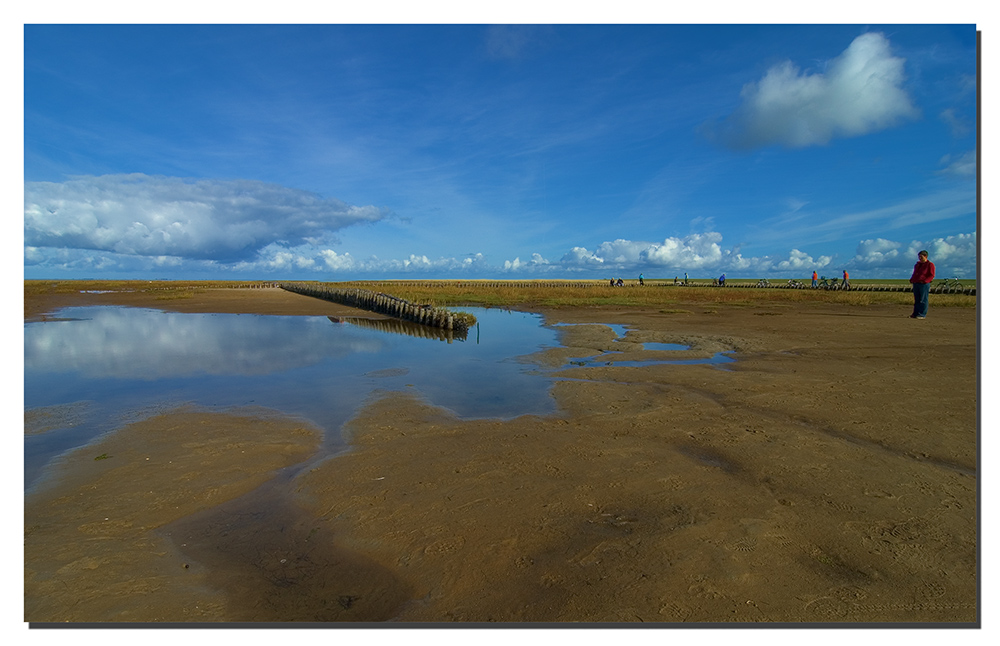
pixel 126 363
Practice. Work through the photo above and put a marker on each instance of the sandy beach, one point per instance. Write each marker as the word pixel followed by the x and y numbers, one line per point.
pixel 829 474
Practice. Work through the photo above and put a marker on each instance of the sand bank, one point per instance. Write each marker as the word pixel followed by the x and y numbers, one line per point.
pixel 829 474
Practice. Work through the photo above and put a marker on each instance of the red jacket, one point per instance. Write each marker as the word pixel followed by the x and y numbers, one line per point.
pixel 923 272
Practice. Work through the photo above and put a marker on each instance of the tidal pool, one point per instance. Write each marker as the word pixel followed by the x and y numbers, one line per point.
pixel 97 368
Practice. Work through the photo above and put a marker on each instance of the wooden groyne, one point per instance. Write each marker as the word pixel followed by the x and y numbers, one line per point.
pixel 364 299
pixel 397 326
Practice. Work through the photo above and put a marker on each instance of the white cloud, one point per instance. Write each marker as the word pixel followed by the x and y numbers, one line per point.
pixel 537 262
pixel 802 262
pixel 860 92
pixel 226 220
pixel 697 251
pixel 963 166
pixel 622 252
pixel 955 250
pixel 878 252
pixel 581 257
pixel 700 255
pixel 957 254
pixel 336 261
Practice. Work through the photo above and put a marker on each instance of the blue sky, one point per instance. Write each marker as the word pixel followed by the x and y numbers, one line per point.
pixel 336 152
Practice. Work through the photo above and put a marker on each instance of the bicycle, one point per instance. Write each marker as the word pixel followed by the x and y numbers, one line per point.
pixel 794 284
pixel 950 283
pixel 763 282
pixel 828 283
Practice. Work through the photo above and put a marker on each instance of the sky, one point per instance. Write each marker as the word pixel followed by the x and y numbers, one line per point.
pixel 522 151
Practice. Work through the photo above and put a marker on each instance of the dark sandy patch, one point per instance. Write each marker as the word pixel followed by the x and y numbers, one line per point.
pixel 91 546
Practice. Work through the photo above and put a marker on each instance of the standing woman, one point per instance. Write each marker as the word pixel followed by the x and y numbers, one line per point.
pixel 923 276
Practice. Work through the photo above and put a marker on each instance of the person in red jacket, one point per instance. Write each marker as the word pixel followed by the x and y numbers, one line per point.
pixel 923 276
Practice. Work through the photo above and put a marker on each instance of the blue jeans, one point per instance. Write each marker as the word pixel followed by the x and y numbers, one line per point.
pixel 920 294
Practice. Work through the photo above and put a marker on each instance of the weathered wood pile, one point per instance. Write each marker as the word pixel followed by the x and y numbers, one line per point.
pixel 380 303
pixel 397 326
pixel 491 284
pixel 253 285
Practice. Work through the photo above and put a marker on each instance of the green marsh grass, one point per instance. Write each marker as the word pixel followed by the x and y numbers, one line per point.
pixel 658 295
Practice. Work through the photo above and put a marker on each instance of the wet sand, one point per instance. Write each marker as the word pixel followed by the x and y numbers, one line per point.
pixel 828 475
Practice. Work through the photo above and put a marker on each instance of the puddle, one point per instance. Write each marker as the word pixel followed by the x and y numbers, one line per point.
pixel 121 364
pixel 608 358
pixel 115 365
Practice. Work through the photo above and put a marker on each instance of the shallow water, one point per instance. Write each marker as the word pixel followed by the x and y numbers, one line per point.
pixel 120 364
pixel 665 346
pixel 608 359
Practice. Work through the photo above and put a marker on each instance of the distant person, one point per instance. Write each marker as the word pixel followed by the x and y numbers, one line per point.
pixel 611 283
pixel 922 277
pixel 676 282
pixel 722 280
pixel 620 283
pixel 640 280
pixel 815 280
pixel 847 280
pixel 685 278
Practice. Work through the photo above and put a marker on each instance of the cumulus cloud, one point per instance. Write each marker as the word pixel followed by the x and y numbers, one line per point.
pixel 702 253
pixel 536 263
pixel 798 262
pixel 877 252
pixel 155 216
pixel 694 252
pixel 861 91
pixel 955 253
pixel 579 257
pixel 954 250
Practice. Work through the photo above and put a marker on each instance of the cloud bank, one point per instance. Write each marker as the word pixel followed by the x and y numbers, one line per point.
pixel 152 226
pixel 700 255
pixel 954 254
pixel 155 216
pixel 860 92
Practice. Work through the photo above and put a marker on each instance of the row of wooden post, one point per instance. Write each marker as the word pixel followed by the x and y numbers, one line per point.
pixel 867 287
pixel 935 289
pixel 380 303
pixel 397 326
